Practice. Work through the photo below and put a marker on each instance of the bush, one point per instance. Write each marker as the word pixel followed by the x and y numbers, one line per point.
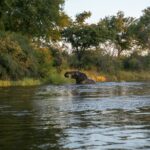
pixel 137 62
pixel 17 58
pixel 94 59
pixel 55 77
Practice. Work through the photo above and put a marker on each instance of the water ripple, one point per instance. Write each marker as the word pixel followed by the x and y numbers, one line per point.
pixel 107 116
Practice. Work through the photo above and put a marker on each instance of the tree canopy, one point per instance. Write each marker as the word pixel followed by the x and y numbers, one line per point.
pixel 32 17
pixel 83 36
pixel 142 29
pixel 118 31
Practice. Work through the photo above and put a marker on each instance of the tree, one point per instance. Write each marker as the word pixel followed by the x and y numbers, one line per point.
pixel 80 18
pixel 82 36
pixel 141 29
pixel 4 6
pixel 36 18
pixel 117 28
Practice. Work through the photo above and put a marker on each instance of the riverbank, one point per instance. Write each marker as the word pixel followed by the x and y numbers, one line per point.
pixel 59 78
pixel 129 76
pixel 118 76
pixel 24 82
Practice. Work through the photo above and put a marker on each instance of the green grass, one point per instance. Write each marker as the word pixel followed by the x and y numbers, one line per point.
pixel 58 78
pixel 129 76
pixel 55 77
pixel 24 82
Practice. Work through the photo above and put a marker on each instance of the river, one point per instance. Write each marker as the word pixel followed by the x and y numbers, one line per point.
pixel 104 116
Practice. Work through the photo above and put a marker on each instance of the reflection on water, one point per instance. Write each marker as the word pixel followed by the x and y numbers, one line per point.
pixel 107 116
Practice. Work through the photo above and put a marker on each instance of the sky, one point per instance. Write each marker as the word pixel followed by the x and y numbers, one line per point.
pixel 102 8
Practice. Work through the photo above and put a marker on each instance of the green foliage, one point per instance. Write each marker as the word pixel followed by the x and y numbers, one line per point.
pixel 117 28
pixel 82 38
pixel 19 59
pixel 24 22
pixel 133 64
pixel 95 59
pixel 57 57
pixel 141 30
pixel 137 62
pixel 133 76
pixel 80 18
pixel 16 57
pixel 109 64
pixel 32 17
pixel 23 82
pixel 44 59
pixel 55 77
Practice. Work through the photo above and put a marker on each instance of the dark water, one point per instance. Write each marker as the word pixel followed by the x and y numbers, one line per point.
pixel 105 116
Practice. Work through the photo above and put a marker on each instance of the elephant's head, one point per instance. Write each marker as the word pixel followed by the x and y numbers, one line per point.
pixel 78 76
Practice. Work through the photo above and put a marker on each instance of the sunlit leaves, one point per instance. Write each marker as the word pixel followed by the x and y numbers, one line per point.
pixel 142 29
pixel 31 17
pixel 117 29
pixel 80 18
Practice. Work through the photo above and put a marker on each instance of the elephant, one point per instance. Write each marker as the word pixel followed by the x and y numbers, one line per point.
pixel 81 78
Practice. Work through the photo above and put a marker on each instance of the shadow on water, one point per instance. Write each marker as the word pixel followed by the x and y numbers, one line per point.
pixel 109 115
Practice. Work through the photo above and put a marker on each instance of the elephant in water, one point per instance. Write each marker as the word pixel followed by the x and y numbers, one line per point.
pixel 81 78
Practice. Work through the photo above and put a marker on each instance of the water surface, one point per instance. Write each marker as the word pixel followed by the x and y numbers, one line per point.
pixel 104 116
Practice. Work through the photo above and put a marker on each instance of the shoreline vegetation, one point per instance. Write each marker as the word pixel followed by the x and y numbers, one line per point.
pixel 40 42
pixel 121 76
